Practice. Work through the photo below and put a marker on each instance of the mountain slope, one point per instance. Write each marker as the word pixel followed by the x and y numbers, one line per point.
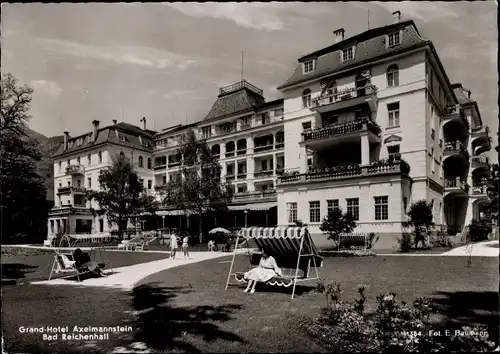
pixel 45 166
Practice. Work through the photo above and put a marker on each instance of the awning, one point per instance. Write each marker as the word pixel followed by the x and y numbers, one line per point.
pixel 255 206
pixel 169 212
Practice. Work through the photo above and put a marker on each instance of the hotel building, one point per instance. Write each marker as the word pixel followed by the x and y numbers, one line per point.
pixel 369 124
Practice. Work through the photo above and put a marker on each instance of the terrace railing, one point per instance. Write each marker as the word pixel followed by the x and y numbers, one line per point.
pixel 456 182
pixel 343 95
pixel 342 128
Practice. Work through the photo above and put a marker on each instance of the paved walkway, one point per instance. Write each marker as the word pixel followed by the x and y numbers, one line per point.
pixel 480 249
pixel 125 278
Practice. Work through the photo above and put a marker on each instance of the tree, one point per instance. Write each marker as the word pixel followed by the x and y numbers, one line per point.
pixel 336 223
pixel 23 194
pixel 122 197
pixel 491 211
pixel 200 190
pixel 420 219
pixel 479 230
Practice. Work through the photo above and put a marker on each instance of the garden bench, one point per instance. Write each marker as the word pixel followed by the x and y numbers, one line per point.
pixel 353 241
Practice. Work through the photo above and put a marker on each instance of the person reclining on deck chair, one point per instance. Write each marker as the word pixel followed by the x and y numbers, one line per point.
pixel 267 269
pixel 83 261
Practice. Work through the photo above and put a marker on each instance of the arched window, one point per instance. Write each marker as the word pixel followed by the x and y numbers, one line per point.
pixel 230 147
pixel 141 161
pixel 215 150
pixel 306 98
pixel 393 76
pixel 331 91
pixel 150 164
pixel 100 157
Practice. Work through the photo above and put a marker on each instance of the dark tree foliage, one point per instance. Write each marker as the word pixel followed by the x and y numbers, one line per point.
pixel 23 204
pixel 336 223
pixel 200 190
pixel 420 215
pixel 122 197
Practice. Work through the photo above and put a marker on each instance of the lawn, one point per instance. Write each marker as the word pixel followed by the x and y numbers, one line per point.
pixel 186 308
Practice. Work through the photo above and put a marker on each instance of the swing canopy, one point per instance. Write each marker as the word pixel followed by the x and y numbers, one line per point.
pixel 291 247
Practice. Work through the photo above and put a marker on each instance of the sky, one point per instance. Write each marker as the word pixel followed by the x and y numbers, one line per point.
pixel 167 61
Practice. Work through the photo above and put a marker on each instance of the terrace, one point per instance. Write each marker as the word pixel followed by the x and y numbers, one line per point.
pixel 347 98
pixel 342 129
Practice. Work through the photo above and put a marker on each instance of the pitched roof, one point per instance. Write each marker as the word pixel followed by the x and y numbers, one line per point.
pixel 370 45
pixel 108 135
pixel 240 101
pixel 460 93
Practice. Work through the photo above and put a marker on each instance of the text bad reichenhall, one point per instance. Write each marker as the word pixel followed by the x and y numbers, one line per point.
pixel 75 329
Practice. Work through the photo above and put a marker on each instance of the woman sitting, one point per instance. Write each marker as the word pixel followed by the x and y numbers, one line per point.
pixel 266 270
pixel 83 261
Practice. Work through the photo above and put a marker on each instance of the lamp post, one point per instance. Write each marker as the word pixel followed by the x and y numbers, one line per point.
pixel 246 221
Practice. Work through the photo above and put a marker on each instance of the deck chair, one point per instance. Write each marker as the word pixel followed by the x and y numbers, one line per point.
pixel 139 246
pixel 64 263
pixel 291 247
pixel 123 245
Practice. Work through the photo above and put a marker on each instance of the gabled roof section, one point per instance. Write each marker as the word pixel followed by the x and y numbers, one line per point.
pixel 108 135
pixel 393 138
pixel 370 45
pixel 235 99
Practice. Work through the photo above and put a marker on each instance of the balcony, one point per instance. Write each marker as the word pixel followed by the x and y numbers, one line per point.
pixel 238 86
pixel 242 175
pixel 269 120
pixel 342 173
pixel 250 196
pixel 480 161
pixel 75 170
pixel 480 139
pixel 241 152
pixel 454 148
pixel 174 163
pixel 455 115
pixel 230 177
pixel 263 174
pixel 279 145
pixel 245 126
pixel 71 189
pixel 454 185
pixel 160 187
pixel 351 97
pixel 480 191
pixel 262 148
pixel 230 153
pixel 343 129
pixel 160 167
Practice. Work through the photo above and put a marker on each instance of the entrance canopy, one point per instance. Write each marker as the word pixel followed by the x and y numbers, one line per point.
pixel 255 206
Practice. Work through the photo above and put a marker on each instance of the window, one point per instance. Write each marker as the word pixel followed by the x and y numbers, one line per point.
pixel 306 98
pixel 393 109
pixel 60 166
pixel 306 126
pixel 52 226
pixel 100 157
pixel 309 163
pixel 122 153
pixel 150 184
pixel 278 112
pixel 230 171
pixel 69 162
pixel 141 181
pixel 393 76
pixel 332 204
pixel 348 54
pixel 141 161
pixel 89 160
pixel 89 182
pixel 242 188
pixel 164 180
pixel 353 208
pixel 101 225
pixel 308 66
pixel 78 160
pixel 393 151
pixel 394 39
pixel 121 137
pixel 292 212
pixel 206 132
pixel 78 183
pixel 150 163
pixel 381 208
pixel 314 215
pixel 264 117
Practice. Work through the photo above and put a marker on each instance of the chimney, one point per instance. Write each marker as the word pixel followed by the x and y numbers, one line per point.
pixel 143 120
pixel 396 16
pixel 114 121
pixel 66 138
pixel 96 128
pixel 339 35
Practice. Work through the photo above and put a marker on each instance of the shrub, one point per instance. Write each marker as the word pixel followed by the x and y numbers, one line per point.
pixel 336 223
pixel 372 239
pixel 405 242
pixel 393 327
pixel 441 239
pixel 420 215
pixel 479 230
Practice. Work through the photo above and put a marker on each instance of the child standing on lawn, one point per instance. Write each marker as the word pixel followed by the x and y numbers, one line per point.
pixel 185 247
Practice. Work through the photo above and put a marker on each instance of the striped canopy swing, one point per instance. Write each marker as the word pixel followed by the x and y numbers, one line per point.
pixel 291 247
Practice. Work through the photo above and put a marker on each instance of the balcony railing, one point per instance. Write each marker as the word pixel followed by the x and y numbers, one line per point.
pixel 230 153
pixel 221 130
pixel 260 174
pixel 75 170
pixel 261 148
pixel 454 183
pixel 160 167
pixel 481 129
pixel 230 177
pixel 341 172
pixel 174 163
pixel 242 175
pixel 475 160
pixel 245 126
pixel 69 189
pixel 254 195
pixel 454 147
pixel 343 95
pixel 238 86
pixel 342 128
pixel 480 190
pixel 241 152
pixel 455 111
pixel 280 145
